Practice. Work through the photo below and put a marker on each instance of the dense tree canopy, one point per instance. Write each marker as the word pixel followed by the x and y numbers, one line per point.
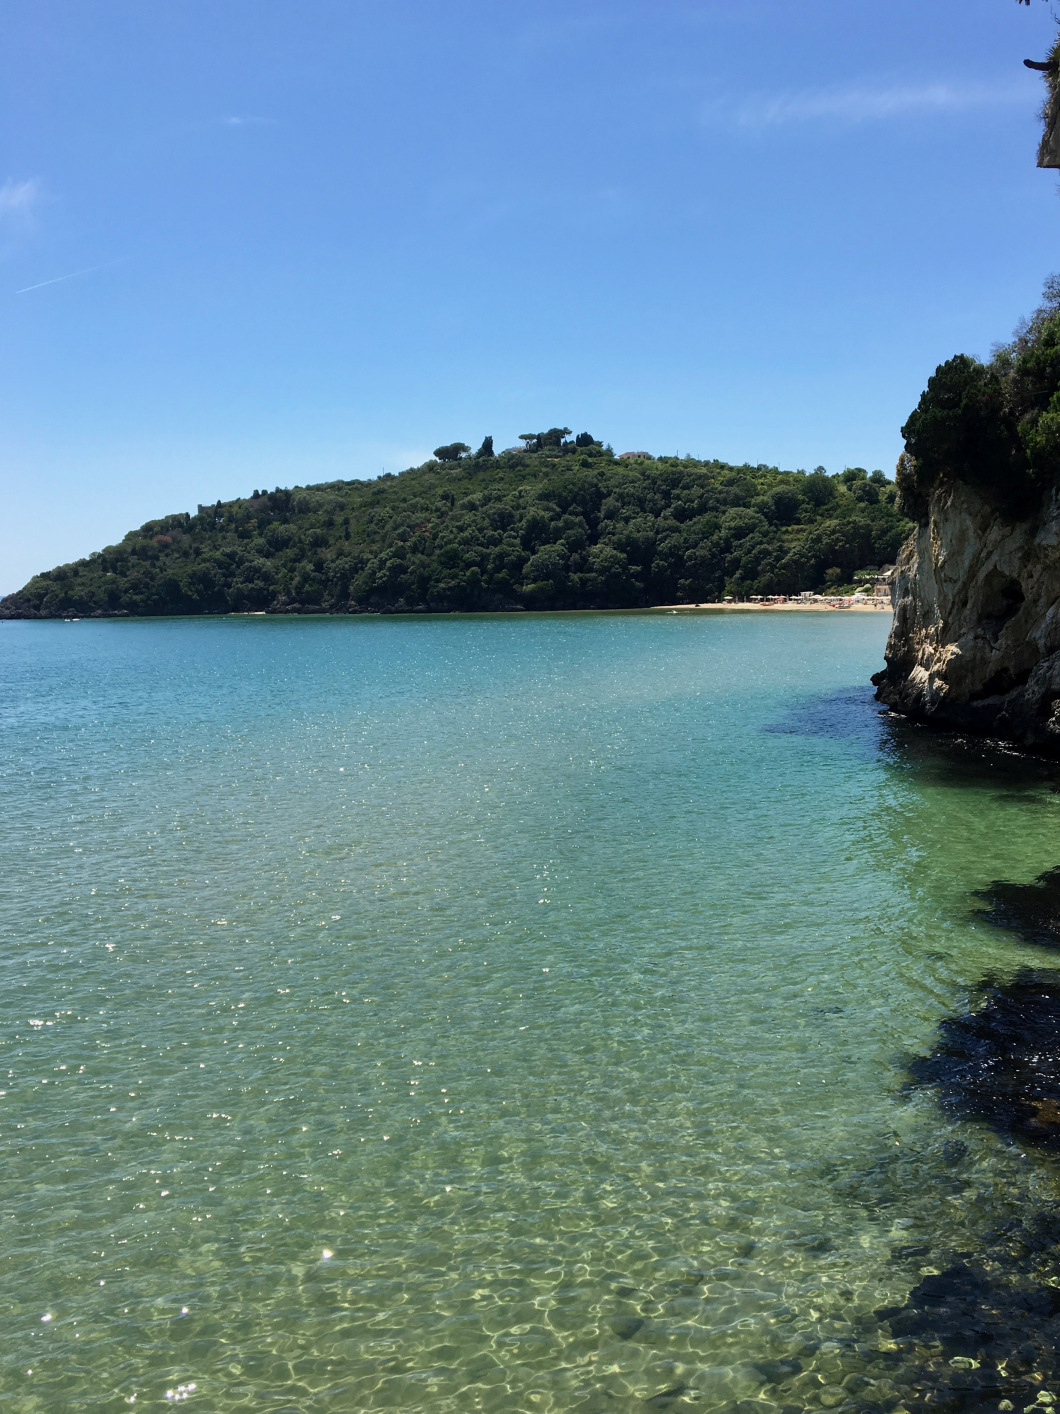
pixel 995 425
pixel 568 525
pixel 452 452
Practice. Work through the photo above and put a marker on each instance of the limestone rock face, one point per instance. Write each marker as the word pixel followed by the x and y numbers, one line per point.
pixel 975 642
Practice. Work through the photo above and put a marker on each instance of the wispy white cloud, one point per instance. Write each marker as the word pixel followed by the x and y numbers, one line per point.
pixel 19 202
pixel 866 101
pixel 248 122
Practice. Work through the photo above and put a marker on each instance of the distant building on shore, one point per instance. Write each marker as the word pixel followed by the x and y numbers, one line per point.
pixel 876 580
pixel 881 585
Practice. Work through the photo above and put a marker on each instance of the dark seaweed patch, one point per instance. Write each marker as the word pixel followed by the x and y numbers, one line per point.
pixel 1031 910
pixel 1001 1063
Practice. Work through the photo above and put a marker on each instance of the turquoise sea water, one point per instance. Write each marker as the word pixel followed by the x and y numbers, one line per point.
pixel 486 1013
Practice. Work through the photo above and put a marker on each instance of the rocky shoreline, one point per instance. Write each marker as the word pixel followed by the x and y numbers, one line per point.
pixel 975 643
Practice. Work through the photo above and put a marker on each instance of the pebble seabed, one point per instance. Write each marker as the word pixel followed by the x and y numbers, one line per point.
pixel 544 1059
pixel 982 1332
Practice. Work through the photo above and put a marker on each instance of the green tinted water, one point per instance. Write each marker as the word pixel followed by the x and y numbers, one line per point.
pixel 489 1013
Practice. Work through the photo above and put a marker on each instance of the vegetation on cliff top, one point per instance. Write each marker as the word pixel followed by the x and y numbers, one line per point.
pixel 561 523
pixel 994 425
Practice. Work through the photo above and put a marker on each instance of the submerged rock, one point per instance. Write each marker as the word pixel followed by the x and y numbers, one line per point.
pixel 626 1327
pixel 909 1250
pixel 774 1372
pixel 666 1397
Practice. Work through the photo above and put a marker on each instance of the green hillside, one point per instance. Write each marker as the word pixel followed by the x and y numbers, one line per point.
pixel 563 524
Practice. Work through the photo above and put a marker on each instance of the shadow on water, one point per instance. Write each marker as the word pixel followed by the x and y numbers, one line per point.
pixel 984 1332
pixel 851 713
pixel 1032 911
pixel 935 756
pixel 980 1331
pixel 954 760
pixel 1001 1062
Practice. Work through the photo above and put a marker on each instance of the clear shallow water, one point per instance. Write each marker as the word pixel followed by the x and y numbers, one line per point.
pixel 397 1012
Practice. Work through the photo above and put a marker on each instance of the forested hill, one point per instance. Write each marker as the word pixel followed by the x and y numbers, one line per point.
pixel 564 524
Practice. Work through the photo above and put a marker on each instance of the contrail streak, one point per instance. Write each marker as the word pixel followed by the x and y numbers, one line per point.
pixel 60 278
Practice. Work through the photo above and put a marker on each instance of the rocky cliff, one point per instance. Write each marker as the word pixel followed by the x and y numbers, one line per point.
pixel 976 637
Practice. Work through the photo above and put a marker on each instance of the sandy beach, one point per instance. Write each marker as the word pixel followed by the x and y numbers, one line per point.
pixel 816 606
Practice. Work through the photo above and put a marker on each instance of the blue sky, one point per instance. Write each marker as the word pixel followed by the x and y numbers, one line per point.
pixel 309 239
